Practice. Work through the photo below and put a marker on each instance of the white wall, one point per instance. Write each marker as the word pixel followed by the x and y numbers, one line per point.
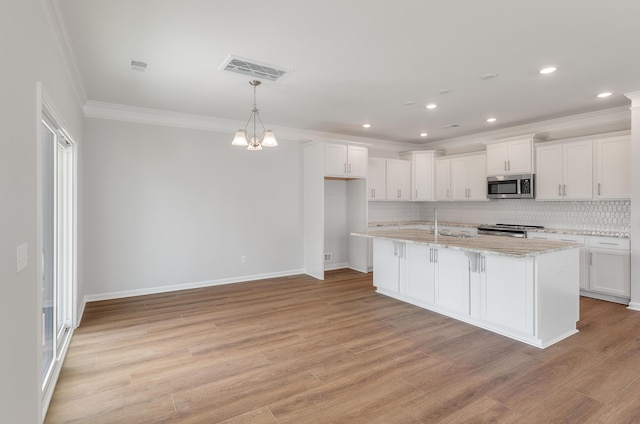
pixel 28 55
pixel 170 206
pixel 635 194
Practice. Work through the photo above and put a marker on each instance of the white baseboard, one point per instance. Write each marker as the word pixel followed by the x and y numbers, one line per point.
pixel 634 305
pixel 331 267
pixel 186 286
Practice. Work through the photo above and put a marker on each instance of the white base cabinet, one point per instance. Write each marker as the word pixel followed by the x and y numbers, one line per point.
pixel 532 299
pixel 610 266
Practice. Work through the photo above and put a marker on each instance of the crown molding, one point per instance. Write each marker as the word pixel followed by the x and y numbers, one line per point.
pixel 602 121
pixel 58 26
pixel 635 99
pixel 140 115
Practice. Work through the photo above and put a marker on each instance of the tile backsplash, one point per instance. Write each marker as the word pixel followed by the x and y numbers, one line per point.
pixel 611 216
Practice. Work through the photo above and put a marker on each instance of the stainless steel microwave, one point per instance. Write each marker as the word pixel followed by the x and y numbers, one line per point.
pixel 511 187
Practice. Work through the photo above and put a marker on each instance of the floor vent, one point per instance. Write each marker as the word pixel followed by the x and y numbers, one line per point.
pixel 254 69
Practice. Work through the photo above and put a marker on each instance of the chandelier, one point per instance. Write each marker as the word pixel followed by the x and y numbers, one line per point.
pixel 254 143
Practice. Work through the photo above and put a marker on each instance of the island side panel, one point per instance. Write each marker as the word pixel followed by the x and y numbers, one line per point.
pixel 558 295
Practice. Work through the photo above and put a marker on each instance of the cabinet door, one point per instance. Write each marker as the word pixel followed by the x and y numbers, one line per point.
pixel 423 177
pixel 610 272
pixel 404 180
pixel 452 281
pixel 613 169
pixel 497 155
pixel 421 280
pixel 357 161
pixel 376 179
pixel 477 176
pixel 577 171
pixel 443 179
pixel 393 175
pixel 549 172
pixel 584 269
pixel 519 158
pixel 459 179
pixel 336 160
pixel 386 265
pixel 506 292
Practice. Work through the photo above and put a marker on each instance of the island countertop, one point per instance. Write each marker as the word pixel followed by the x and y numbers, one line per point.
pixel 497 245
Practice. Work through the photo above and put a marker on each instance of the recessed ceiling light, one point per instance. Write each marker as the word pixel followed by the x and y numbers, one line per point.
pixel 366 125
pixel 605 94
pixel 488 76
pixel 423 134
pixel 491 119
pixel 548 70
pixel 432 106
pixel 445 91
pixel 409 103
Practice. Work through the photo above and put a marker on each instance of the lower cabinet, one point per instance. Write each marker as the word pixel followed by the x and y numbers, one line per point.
pixel 507 292
pixel 534 299
pixel 452 281
pixel 610 266
pixel 420 284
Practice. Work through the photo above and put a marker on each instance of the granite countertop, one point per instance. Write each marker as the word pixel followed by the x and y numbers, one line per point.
pixel 616 234
pixel 496 245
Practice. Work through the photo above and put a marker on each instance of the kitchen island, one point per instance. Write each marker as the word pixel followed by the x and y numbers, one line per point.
pixel 524 289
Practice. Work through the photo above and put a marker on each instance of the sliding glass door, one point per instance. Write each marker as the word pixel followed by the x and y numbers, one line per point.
pixel 58 199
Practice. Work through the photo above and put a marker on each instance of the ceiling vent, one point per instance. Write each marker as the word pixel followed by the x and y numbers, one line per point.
pixel 140 66
pixel 254 69
pixel 452 126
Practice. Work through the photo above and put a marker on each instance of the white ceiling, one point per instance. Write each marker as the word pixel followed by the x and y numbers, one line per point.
pixel 358 61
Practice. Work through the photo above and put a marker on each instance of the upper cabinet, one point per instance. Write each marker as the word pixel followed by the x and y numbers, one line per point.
pixel 564 171
pixel 612 168
pixel 461 177
pixel 377 179
pixel 585 169
pixel 422 174
pixel 389 179
pixel 398 179
pixel 510 157
pixel 346 161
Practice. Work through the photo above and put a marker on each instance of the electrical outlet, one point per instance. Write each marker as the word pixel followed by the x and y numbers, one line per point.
pixel 243 259
pixel 327 257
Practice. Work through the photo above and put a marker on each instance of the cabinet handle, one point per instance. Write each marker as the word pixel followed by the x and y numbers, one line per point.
pixel 349 168
pixel 482 264
pixel 598 189
pixel 590 258
pixel 345 168
pixel 435 255
pixel 559 189
pixel 608 243
pixel 505 165
pixel 430 255
pixel 564 190
pixel 508 165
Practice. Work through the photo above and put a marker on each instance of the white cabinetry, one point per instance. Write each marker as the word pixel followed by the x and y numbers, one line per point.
pixel 613 168
pixel 422 174
pixel 584 271
pixel 443 179
pixel 469 178
pixel 452 282
pixel 422 273
pixel 398 179
pixel 377 179
pixel 507 292
pixel 510 157
pixel 564 171
pixel 345 161
pixel 389 264
pixel 461 178
pixel 610 266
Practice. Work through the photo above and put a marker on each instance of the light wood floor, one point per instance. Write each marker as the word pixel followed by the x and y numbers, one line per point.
pixel 298 350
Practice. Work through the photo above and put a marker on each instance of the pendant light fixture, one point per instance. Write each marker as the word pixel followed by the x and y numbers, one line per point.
pixel 254 143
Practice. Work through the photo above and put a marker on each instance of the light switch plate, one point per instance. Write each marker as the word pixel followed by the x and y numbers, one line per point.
pixel 22 255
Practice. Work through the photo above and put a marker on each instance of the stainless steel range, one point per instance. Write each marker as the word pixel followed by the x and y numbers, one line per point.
pixel 508 230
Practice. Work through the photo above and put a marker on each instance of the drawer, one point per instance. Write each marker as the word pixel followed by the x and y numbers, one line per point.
pixel 557 237
pixel 610 243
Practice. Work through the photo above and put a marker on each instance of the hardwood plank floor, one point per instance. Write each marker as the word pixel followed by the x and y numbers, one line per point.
pixel 298 350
